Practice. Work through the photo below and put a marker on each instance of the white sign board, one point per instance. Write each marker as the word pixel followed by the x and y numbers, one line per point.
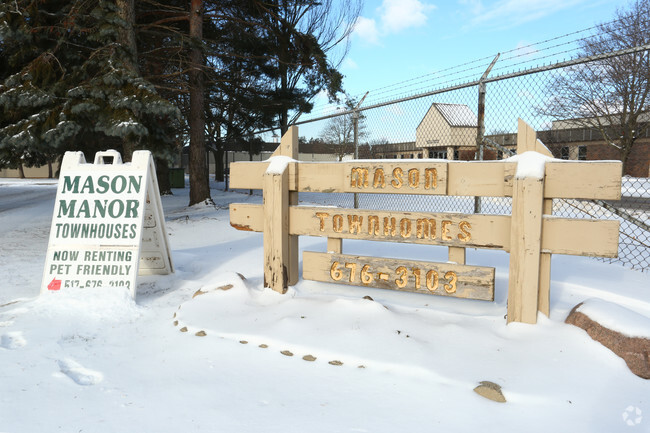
pixel 108 224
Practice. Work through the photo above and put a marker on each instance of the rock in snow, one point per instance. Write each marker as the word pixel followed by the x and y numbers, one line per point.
pixel 591 316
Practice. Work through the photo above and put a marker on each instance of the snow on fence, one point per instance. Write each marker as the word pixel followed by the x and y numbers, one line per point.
pixel 530 234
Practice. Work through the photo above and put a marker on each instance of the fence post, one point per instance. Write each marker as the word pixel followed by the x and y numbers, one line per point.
pixel 280 249
pixel 480 124
pixel 530 269
pixel 544 296
pixel 355 120
pixel 276 230
pixel 355 129
pixel 525 249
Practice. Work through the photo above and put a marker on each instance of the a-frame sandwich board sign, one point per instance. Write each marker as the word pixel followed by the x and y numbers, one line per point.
pixel 108 224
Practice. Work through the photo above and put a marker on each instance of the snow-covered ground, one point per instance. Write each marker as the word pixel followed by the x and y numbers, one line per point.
pixel 97 361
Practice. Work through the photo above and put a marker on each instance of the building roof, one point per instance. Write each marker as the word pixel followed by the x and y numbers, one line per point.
pixel 457 115
pixel 592 122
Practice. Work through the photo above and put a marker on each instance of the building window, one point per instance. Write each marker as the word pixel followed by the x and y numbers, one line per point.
pixel 419 156
pixel 438 154
pixel 582 153
pixel 456 155
pixel 564 152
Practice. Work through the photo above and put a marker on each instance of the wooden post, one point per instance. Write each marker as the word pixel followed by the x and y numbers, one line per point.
pixel 457 255
pixel 526 137
pixel 276 230
pixel 289 147
pixel 527 141
pixel 525 249
pixel 334 245
pixel 526 236
pixel 544 296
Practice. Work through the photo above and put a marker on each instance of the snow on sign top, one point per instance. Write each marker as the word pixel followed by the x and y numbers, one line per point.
pixel 107 224
pixel 277 164
pixel 530 164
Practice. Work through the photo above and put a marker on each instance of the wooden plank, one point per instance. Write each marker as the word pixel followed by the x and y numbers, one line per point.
pixel 249 175
pixel 576 179
pixel 544 295
pixel 527 140
pixel 245 175
pixel 544 284
pixel 321 177
pixel 525 249
pixel 288 144
pixel 334 245
pixel 564 179
pixel 247 217
pixel 594 238
pixel 526 137
pixel 480 178
pixel 451 229
pixel 418 177
pixel 289 147
pixel 445 279
pixel 587 180
pixel 294 253
pixel 276 231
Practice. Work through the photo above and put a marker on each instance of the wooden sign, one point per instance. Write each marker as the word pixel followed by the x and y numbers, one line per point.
pixel 107 224
pixel 564 179
pixel 561 235
pixel 444 279
pixel 390 177
pixel 531 234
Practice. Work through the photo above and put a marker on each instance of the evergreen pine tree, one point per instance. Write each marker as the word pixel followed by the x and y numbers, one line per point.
pixel 67 84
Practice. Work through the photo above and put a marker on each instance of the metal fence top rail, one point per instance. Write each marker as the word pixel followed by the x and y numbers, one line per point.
pixel 506 76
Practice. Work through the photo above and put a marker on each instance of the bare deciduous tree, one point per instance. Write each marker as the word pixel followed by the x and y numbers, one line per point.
pixel 611 95
pixel 310 40
pixel 338 133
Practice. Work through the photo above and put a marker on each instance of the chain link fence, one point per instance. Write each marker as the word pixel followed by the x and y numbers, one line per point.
pixel 478 120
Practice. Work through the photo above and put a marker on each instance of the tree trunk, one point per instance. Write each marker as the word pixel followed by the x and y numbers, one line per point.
pixel 127 36
pixel 626 149
pixel 199 181
pixel 283 68
pixel 218 164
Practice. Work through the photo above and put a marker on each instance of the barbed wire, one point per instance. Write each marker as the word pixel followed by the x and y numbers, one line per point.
pixel 450 75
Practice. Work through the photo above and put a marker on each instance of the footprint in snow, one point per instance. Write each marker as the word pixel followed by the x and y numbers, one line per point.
pixel 78 373
pixel 12 340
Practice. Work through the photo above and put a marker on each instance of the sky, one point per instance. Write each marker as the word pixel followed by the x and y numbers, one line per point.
pixel 399 40
pixel 401 48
